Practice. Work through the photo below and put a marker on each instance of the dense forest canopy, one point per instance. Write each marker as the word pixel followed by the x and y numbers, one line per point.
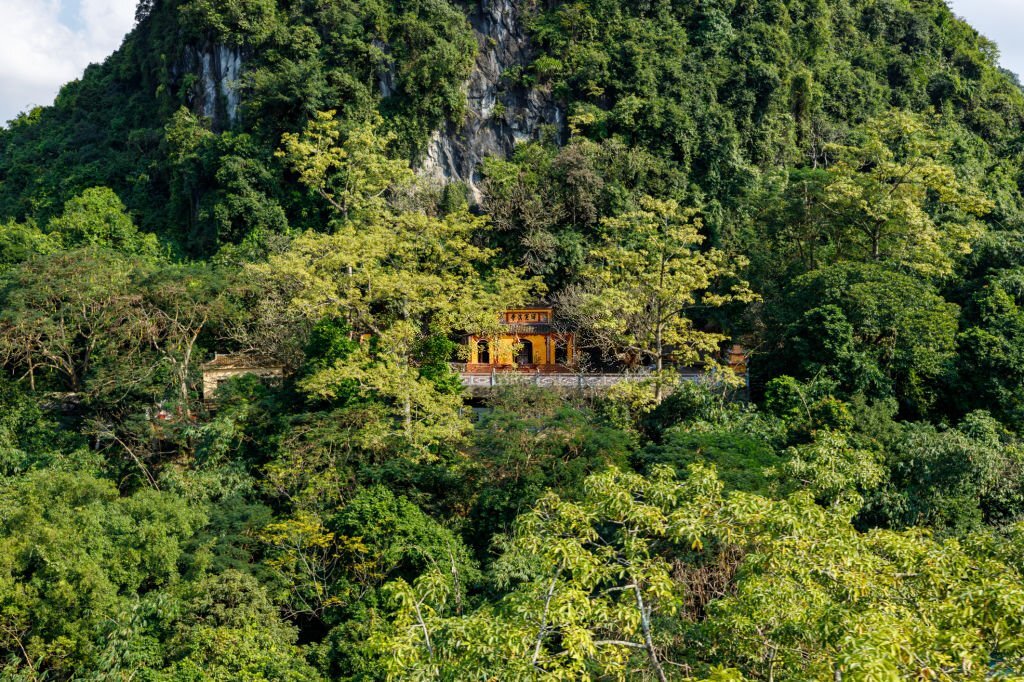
pixel 834 185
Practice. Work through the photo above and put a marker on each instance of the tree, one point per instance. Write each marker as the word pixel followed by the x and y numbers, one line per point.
pixel 531 441
pixel 953 480
pixel 97 218
pixel 352 175
pixel 32 439
pixel 645 280
pixel 182 302
pixel 900 198
pixel 816 599
pixel 233 21
pixel 660 578
pixel 334 559
pixel 229 628
pixel 990 349
pixel 831 469
pixel 73 554
pixel 874 330
pixel 590 590
pixel 75 316
pixel 224 186
pixel 743 448
pixel 19 242
pixel 397 282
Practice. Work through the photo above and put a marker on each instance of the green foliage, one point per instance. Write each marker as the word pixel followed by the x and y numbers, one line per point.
pixel 953 480
pixel 741 457
pixel 226 185
pixel 351 176
pixel 871 329
pixel 857 164
pixel 833 471
pixel 235 22
pixel 97 218
pixel 19 242
pixel 330 341
pixel 619 582
pixel 807 407
pixel 333 567
pixel 73 316
pixel 646 274
pixel 989 349
pixel 73 556
pixel 884 188
pixel 547 202
pixel 815 596
pixel 528 442
pixel 30 438
pixel 231 630
pixel 589 589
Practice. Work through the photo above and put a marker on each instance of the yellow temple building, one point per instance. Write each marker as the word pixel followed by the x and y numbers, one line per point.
pixel 530 342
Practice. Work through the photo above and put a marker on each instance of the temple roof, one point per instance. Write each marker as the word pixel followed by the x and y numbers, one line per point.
pixel 242 361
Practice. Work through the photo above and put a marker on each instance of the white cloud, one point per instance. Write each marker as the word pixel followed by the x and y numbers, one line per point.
pixel 46 43
pixel 107 21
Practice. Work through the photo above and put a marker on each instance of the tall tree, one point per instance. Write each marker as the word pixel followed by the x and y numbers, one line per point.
pixel 354 174
pixel 900 198
pixel 74 316
pixel 397 282
pixel 644 282
pixel 183 301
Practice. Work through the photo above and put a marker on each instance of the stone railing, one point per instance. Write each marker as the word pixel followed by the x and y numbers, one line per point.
pixel 560 380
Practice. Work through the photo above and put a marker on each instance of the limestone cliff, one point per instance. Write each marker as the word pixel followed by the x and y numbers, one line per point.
pixel 501 113
pixel 216 92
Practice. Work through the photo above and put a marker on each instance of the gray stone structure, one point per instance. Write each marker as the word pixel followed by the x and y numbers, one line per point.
pixel 224 367
pixel 480 384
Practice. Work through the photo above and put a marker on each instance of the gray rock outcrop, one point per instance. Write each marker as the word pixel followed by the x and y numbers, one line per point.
pixel 216 95
pixel 501 113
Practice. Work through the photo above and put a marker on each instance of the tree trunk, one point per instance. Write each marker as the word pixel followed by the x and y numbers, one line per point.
pixel 645 624
pixel 660 363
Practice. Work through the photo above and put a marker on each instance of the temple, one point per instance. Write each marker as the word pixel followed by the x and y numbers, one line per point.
pixel 529 342
pixel 531 349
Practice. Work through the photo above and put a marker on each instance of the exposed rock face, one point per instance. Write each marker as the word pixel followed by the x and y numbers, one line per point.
pixel 216 96
pixel 387 79
pixel 501 114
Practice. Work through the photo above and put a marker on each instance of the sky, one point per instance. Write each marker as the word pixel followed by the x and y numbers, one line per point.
pixel 1000 20
pixel 45 43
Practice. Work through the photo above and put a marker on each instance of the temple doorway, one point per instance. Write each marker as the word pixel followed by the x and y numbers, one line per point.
pixel 525 354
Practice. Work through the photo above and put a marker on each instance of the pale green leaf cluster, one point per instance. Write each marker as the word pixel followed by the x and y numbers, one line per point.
pixel 353 174
pixel 644 282
pixel 600 589
pixel 885 186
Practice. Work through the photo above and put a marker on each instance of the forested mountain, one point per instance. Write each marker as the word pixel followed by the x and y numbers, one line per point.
pixel 344 189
